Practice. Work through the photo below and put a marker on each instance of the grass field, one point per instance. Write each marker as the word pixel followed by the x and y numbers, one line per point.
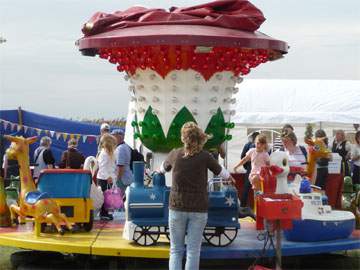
pixel 5 253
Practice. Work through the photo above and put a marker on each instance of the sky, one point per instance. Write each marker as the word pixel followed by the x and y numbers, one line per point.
pixel 41 69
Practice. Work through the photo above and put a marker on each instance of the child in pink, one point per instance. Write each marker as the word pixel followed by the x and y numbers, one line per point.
pixel 259 157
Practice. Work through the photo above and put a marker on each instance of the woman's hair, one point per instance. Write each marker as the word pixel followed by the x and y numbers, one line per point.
pixel 193 138
pixel 320 133
pixel 108 142
pixel 289 135
pixel 287 127
pixel 341 133
pixel 72 143
pixel 45 141
pixel 357 137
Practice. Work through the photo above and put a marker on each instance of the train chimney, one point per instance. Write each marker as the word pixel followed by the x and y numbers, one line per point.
pixel 138 170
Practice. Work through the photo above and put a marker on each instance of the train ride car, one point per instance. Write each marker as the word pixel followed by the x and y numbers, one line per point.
pixel 147 210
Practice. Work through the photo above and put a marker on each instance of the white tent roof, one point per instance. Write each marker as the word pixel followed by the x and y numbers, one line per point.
pixel 297 101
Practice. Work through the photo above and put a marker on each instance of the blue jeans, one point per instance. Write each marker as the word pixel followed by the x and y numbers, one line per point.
pixel 179 223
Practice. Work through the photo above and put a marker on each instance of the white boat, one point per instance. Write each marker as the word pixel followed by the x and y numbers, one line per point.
pixel 319 222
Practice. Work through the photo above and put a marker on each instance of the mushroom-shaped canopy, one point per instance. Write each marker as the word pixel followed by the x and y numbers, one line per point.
pixel 208 38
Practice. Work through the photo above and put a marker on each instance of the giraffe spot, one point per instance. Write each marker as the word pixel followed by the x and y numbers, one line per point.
pixel 25 179
pixel 33 206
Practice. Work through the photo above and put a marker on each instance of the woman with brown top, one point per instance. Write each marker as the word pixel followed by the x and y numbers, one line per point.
pixel 188 200
pixel 72 158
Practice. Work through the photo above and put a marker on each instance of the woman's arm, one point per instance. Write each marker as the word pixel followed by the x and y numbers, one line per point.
pixel 166 165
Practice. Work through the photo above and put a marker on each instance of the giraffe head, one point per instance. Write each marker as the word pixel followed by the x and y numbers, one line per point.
pixel 19 146
pixel 317 148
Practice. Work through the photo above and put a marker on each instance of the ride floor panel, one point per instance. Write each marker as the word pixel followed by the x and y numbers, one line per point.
pixel 106 239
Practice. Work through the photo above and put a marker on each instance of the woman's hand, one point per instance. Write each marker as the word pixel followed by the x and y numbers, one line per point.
pixel 229 181
pixel 236 168
pixel 110 180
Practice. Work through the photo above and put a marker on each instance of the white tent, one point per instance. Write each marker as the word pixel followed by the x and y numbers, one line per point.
pixel 268 104
pixel 297 101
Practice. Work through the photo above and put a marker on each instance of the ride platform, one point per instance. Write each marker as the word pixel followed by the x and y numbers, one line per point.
pixel 106 240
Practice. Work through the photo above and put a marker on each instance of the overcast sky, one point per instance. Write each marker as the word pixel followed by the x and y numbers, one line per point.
pixel 42 71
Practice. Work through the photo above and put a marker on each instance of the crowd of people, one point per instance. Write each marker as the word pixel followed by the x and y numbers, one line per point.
pixel 188 201
pixel 253 154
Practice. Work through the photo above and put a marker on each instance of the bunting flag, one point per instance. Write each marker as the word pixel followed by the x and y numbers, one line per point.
pixel 12 126
pixel 65 135
pixel 6 124
pixel 57 135
pixel 85 138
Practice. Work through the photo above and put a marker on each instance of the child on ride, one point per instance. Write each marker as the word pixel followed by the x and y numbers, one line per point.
pixel 259 157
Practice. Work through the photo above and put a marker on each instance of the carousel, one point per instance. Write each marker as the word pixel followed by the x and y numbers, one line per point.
pixel 182 64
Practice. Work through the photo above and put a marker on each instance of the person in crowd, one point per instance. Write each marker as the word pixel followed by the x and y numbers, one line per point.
pixel 107 168
pixel 322 164
pixel 104 129
pixel 247 167
pixel 343 148
pixel 188 202
pixel 287 128
pixel 72 158
pixel 355 158
pixel 10 168
pixel 123 158
pixel 297 153
pixel 43 157
pixel 278 145
pixel 259 157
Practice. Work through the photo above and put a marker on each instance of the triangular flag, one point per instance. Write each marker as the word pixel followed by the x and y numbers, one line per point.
pixel 65 135
pixel 77 136
pixel 72 136
pixel 19 127
pixel 12 126
pixel 38 131
pixel 84 137
pixel 26 129
pixel 91 138
pixel 6 123
pixel 57 134
pixel 52 133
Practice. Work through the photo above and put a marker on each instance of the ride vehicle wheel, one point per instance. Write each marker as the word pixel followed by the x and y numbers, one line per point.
pixel 220 236
pixel 146 235
pixel 89 225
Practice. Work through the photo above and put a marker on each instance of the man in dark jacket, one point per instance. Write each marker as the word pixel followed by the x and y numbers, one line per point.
pixel 247 166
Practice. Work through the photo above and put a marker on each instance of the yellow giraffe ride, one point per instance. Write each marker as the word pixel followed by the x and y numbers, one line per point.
pixel 32 203
pixel 316 149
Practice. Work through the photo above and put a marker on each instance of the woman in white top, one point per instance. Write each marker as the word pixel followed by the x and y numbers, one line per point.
pixel 355 157
pixel 297 154
pixel 107 168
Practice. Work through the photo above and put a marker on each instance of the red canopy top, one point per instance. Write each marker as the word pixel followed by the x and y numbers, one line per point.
pixel 227 23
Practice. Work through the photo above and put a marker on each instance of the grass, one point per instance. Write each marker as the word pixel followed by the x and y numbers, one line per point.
pixel 5 253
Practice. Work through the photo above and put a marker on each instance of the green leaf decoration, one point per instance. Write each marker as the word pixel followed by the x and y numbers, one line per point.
pixel 216 128
pixel 152 134
pixel 174 133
